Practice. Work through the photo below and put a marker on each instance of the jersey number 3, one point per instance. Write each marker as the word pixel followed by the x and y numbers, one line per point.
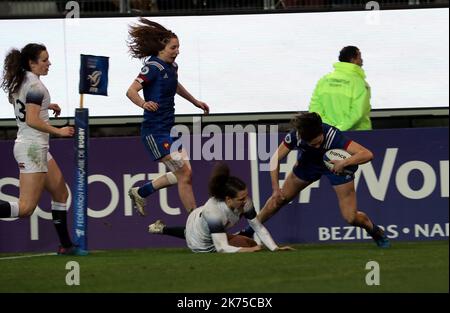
pixel 20 110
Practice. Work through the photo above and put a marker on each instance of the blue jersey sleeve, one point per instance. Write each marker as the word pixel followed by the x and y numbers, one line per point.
pixel 335 139
pixel 290 140
pixel 148 74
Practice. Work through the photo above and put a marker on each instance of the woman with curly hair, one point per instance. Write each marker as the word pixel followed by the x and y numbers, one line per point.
pixel 158 47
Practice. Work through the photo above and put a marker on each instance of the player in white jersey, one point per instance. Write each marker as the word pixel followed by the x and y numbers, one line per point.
pixel 206 226
pixel 38 170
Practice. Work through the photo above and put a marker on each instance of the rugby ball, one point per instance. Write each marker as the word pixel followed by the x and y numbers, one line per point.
pixel 338 154
pixel 241 241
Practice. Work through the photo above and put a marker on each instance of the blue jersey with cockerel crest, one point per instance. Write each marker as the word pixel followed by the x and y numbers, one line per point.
pixel 159 81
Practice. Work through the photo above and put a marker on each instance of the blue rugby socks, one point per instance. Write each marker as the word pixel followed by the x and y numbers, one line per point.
pixel 376 232
pixel 146 190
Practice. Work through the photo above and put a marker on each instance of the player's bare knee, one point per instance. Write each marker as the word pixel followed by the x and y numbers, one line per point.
pixel 184 180
pixel 279 202
pixel 26 209
pixel 284 201
pixel 275 204
pixel 24 214
pixel 184 176
pixel 270 202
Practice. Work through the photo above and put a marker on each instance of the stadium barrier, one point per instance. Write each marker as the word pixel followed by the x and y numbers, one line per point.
pixel 39 8
pixel 405 189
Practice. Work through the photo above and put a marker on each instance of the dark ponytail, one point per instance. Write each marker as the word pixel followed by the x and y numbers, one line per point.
pixel 15 65
pixel 222 185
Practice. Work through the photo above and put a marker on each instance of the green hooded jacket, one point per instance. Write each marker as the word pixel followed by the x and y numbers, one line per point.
pixel 342 98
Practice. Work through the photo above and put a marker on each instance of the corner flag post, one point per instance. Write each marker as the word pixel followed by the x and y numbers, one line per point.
pixel 93 80
pixel 80 195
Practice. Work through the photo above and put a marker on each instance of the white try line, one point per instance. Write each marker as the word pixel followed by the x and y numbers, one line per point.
pixel 26 256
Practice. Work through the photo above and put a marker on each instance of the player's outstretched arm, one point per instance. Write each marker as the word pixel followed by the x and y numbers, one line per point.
pixel 186 95
pixel 222 245
pixel 250 249
pixel 265 236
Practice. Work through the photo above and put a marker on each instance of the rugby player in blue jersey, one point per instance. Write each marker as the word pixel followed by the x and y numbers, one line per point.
pixel 312 139
pixel 158 47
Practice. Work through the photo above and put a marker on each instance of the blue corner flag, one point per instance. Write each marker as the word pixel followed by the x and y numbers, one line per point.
pixel 94 75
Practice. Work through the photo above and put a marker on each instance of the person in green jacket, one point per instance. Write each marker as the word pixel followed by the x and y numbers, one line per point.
pixel 342 97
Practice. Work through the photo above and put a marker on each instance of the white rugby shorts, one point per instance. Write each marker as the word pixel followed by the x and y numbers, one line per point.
pixel 32 157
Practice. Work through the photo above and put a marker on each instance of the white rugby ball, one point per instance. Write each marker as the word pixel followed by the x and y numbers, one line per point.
pixel 338 154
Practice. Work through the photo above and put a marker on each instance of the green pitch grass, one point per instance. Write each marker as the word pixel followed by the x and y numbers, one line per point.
pixel 405 267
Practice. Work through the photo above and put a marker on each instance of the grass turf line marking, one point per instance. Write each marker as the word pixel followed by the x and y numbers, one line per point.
pixel 26 256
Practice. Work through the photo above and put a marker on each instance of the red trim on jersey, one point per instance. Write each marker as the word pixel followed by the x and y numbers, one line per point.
pixel 145 79
pixel 347 144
